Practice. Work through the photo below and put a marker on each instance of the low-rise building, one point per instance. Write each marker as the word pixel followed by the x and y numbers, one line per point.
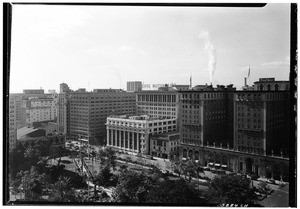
pixel 132 133
pixel 50 128
pixel 165 145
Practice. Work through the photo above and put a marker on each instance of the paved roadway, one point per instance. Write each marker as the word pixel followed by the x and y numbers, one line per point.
pixel 94 166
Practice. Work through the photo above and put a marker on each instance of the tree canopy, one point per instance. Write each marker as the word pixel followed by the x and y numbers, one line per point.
pixel 174 192
pixel 132 187
pixel 233 189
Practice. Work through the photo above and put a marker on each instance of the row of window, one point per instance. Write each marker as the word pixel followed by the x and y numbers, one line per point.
pixel 249 126
pixel 158 108
pixel 249 114
pixel 249 120
pixel 156 98
pixel 156 113
pixel 204 96
pixel 249 143
pixel 144 104
pixel 118 96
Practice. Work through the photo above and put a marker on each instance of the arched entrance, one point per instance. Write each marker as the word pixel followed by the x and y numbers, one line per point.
pixel 197 157
pixel 184 153
pixel 191 154
pixel 249 163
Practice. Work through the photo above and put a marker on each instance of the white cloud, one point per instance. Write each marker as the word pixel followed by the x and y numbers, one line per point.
pixel 46 22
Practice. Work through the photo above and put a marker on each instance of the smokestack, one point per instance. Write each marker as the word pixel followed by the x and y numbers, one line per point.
pixel 245 81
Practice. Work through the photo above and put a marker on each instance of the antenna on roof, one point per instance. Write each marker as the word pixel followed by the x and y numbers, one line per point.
pixel 191 81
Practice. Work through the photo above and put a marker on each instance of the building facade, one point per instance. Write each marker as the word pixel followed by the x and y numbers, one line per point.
pixel 202 113
pixel 63 109
pixel 262 122
pixel 158 103
pixel 133 133
pixel 276 167
pixel 12 123
pixel 40 109
pixel 134 86
pixel 63 113
pixel 165 145
pixel 244 131
pixel 270 84
pixel 21 103
pixel 17 98
pixel 88 112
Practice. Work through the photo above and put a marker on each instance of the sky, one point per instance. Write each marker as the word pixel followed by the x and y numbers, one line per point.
pixel 104 47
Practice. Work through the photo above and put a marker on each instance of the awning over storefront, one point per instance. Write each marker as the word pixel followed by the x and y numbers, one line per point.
pixel 183 158
pixel 210 164
pixel 224 166
pixel 217 164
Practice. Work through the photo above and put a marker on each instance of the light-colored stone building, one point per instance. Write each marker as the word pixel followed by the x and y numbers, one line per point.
pixel 133 133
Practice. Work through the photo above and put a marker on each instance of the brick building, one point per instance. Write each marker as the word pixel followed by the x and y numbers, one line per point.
pixel 239 130
pixel 206 116
pixel 262 122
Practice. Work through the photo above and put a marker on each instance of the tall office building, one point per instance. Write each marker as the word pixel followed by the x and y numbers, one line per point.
pixel 40 109
pixel 63 113
pixel 86 112
pixel 262 122
pixel 206 117
pixel 134 86
pixel 21 100
pixel 17 98
pixel 12 123
pixel 240 130
pixel 158 103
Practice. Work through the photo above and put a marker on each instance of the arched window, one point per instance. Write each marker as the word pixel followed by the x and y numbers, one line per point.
pixel 287 87
pixel 269 87
pixel 276 87
pixel 261 87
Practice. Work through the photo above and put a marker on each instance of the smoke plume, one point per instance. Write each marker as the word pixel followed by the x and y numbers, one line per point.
pixel 212 58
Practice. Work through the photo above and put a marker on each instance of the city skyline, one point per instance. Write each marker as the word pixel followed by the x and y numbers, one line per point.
pixel 107 46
